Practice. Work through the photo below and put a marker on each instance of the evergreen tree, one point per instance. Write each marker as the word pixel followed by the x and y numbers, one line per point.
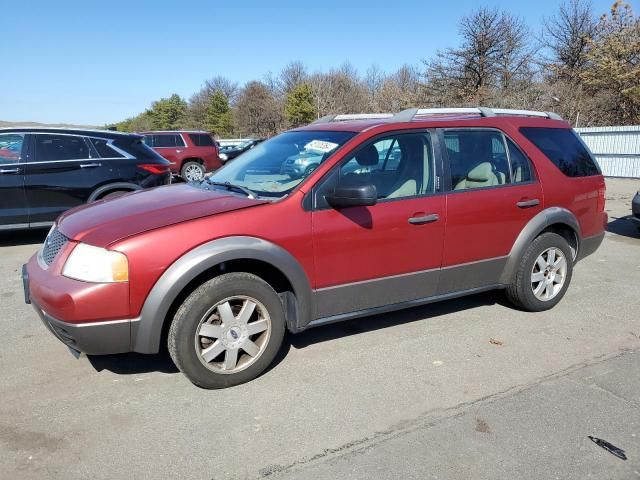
pixel 218 114
pixel 168 113
pixel 300 108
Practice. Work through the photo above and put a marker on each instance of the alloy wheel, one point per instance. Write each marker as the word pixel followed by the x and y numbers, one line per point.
pixel 549 274
pixel 233 334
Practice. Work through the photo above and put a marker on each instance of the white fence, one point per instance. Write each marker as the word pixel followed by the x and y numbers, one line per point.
pixel 617 149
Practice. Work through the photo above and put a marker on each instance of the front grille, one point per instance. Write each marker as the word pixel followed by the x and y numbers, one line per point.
pixel 52 245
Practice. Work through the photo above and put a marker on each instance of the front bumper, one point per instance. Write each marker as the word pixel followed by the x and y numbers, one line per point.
pixel 635 208
pixel 99 338
pixel 93 338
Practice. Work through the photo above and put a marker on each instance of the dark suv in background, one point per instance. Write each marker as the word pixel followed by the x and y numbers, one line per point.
pixel 45 171
pixel 192 153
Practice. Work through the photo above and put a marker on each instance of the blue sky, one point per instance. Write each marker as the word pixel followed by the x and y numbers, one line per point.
pixel 91 62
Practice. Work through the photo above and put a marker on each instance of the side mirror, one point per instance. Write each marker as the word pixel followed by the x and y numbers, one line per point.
pixel 353 196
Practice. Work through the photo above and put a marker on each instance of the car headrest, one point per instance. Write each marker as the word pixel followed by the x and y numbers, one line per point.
pixel 481 173
pixel 368 156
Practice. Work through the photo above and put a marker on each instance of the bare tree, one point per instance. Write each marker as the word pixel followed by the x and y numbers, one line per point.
pixel 292 75
pixel 257 111
pixel 567 36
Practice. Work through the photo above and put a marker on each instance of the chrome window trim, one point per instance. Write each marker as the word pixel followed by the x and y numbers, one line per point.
pixel 109 141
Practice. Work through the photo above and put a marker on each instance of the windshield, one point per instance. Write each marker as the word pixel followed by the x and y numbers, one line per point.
pixel 275 167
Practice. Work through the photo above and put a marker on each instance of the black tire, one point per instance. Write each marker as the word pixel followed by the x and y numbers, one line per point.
pixel 309 170
pixel 520 292
pixel 182 333
pixel 192 165
pixel 116 194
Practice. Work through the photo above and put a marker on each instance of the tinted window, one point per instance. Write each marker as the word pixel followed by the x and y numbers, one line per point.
pixel 60 147
pixel 11 147
pixel 520 167
pixel 565 149
pixel 104 149
pixel 167 141
pixel 400 166
pixel 201 139
pixel 477 158
pixel 148 140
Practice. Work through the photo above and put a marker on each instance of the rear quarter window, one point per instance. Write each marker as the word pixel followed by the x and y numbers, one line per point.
pixel 201 140
pixel 565 150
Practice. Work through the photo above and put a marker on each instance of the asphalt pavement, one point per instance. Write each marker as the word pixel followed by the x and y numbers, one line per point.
pixel 468 388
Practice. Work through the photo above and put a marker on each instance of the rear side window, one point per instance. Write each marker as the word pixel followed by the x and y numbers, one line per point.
pixel 11 147
pixel 477 159
pixel 201 140
pixel 104 149
pixel 565 149
pixel 520 168
pixel 60 147
pixel 167 141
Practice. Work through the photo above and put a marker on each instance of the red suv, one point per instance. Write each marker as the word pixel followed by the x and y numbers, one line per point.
pixel 192 153
pixel 402 210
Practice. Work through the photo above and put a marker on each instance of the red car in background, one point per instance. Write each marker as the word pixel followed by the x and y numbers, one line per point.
pixel 192 153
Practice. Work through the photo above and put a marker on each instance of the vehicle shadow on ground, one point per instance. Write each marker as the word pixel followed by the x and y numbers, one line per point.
pixel 623 226
pixel 388 320
pixel 136 363
pixel 23 237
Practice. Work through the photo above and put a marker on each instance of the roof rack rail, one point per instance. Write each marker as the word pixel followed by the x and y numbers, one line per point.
pixel 410 113
pixel 343 117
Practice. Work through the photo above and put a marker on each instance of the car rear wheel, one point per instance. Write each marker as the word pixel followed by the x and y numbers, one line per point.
pixel 543 274
pixel 192 171
pixel 227 331
pixel 117 193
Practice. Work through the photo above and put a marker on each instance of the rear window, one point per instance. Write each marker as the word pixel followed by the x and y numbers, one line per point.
pixel 201 139
pixel 565 149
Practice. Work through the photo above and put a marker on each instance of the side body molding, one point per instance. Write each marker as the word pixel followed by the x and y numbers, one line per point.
pixel 537 224
pixel 145 335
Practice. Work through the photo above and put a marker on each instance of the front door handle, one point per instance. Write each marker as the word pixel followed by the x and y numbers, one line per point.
pixel 89 165
pixel 10 170
pixel 433 217
pixel 528 203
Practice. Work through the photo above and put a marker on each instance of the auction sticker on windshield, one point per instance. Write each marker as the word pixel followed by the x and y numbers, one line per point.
pixel 320 146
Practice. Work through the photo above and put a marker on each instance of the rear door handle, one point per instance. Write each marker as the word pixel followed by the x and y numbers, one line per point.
pixel 10 170
pixel 89 165
pixel 528 203
pixel 434 217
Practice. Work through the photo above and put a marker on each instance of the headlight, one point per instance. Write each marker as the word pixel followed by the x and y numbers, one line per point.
pixel 223 156
pixel 94 264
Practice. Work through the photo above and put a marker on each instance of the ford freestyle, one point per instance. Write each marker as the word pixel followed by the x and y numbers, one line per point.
pixel 401 210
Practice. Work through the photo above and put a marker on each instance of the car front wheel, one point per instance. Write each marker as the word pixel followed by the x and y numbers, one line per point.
pixel 227 331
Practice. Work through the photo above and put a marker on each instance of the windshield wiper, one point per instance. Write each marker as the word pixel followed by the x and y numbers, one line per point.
pixel 232 186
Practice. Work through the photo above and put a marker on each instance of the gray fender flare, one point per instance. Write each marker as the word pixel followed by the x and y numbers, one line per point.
pixel 537 224
pixel 112 186
pixel 146 333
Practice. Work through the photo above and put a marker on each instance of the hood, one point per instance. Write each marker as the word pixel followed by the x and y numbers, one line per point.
pixel 104 222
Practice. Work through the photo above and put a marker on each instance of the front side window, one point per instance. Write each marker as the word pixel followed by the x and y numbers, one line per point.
pixel 275 167
pixel 60 147
pixel 11 147
pixel 477 159
pixel 565 150
pixel 399 166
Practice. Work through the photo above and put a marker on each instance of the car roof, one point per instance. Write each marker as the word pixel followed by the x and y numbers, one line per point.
pixel 70 131
pixel 443 121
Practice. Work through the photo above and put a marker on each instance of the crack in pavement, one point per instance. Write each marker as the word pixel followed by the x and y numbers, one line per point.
pixel 427 420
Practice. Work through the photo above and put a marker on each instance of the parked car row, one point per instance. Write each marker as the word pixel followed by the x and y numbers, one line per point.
pixel 230 152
